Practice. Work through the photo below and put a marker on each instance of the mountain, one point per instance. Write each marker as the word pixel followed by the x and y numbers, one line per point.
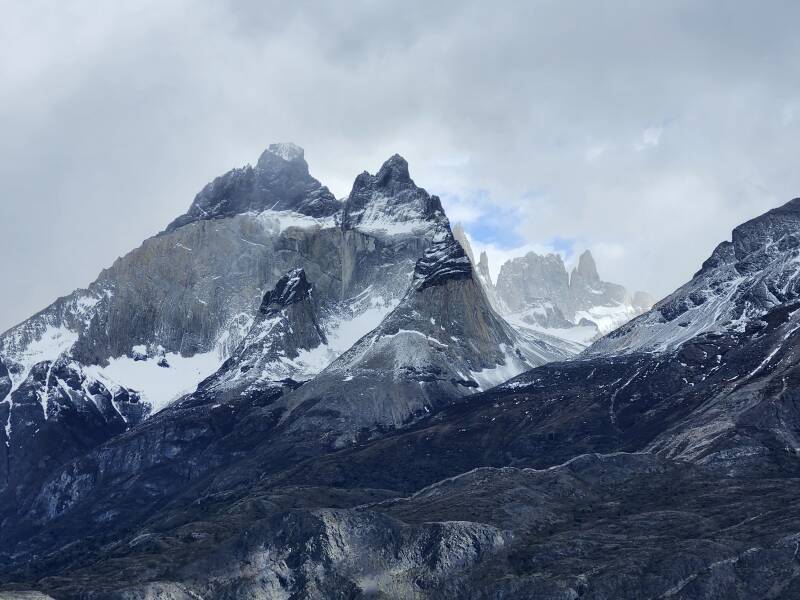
pixel 536 294
pixel 651 465
pixel 263 283
pixel 481 268
pixel 743 280
pixel 536 291
pixel 443 341
pixel 280 182
pixel 168 314
pixel 59 411
pixel 189 295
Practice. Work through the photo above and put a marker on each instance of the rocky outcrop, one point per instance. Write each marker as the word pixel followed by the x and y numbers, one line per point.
pixel 389 202
pixel 285 345
pixel 533 277
pixel 491 532
pixel 58 412
pixel 280 181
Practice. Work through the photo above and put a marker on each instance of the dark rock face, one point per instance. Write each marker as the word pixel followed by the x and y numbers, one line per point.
pixel 5 380
pixel 389 201
pixel 444 261
pixel 290 289
pixel 280 181
pixel 57 413
pixel 286 327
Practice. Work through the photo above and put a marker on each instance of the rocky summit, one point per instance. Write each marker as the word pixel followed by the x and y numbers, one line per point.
pixel 285 395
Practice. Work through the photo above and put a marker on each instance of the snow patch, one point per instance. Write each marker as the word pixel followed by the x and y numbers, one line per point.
pixel 510 367
pixel 278 221
pixel 607 318
pixel 53 342
pixel 343 332
pixel 158 385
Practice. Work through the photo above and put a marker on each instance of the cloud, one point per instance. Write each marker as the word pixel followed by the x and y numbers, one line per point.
pixel 651 137
pixel 525 120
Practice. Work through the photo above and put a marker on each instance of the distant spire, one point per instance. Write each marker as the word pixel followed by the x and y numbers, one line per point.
pixel 587 269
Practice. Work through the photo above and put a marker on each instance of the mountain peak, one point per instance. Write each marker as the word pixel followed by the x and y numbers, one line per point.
pixel 738 284
pixel 587 268
pixel 277 348
pixel 389 202
pixel 287 151
pixel 282 157
pixel 280 181
pixel 394 169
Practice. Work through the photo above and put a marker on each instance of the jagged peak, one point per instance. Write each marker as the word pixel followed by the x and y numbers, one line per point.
pixel 776 228
pixel 393 173
pixel 394 169
pixel 532 257
pixel 378 203
pixel 586 268
pixel 766 228
pixel 279 181
pixel 291 288
pixel 282 156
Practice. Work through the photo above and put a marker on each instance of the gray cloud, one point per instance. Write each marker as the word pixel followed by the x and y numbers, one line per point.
pixel 644 131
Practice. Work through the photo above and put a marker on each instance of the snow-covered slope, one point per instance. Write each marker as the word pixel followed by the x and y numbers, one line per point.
pixel 742 280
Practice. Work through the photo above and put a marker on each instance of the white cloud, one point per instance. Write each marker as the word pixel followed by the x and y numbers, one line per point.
pixel 651 137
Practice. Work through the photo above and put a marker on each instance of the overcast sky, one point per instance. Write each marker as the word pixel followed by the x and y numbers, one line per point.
pixel 642 130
